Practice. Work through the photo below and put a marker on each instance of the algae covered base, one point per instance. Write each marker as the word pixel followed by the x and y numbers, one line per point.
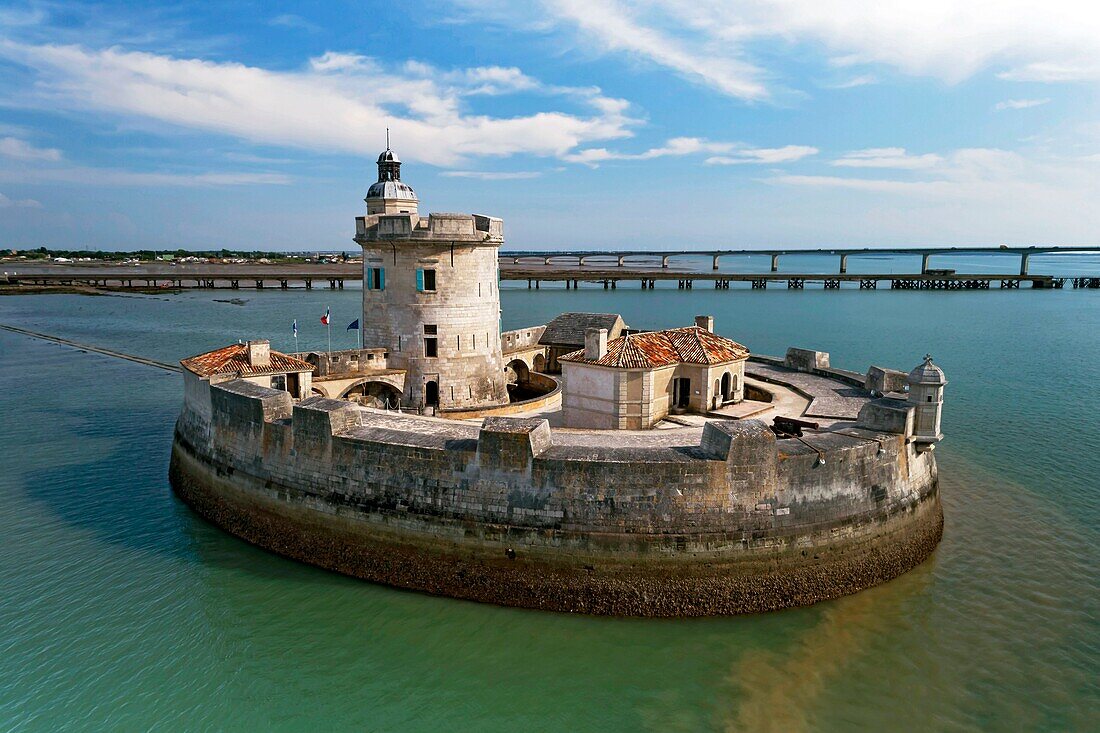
pixel 616 575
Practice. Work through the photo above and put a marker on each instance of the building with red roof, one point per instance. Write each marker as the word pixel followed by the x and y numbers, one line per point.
pixel 634 381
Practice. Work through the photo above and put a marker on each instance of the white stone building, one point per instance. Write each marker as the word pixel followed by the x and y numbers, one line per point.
pixel 430 295
pixel 254 362
pixel 634 381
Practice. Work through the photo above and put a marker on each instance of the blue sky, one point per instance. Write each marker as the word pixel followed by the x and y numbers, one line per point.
pixel 584 124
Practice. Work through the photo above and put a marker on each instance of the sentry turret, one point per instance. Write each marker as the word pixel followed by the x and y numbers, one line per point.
pixel 926 383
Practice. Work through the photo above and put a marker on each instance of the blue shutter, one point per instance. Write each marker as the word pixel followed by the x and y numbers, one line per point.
pixel 381 278
pixel 370 278
pixel 420 281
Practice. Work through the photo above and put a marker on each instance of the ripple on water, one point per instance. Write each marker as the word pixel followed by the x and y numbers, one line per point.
pixel 121 610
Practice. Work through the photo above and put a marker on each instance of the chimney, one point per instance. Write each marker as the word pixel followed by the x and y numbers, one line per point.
pixel 705 322
pixel 595 343
pixel 259 353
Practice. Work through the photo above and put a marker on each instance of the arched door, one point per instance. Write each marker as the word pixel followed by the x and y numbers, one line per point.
pixel 727 387
pixel 431 393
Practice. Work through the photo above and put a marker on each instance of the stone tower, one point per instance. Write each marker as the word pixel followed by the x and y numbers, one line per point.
pixel 430 295
pixel 926 383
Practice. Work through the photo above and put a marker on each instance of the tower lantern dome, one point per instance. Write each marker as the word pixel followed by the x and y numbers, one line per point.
pixel 926 382
pixel 389 195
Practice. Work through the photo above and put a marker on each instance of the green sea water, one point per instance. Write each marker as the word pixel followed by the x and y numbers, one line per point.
pixel 122 610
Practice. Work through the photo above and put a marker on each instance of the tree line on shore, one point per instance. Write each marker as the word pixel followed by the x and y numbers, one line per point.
pixel 43 253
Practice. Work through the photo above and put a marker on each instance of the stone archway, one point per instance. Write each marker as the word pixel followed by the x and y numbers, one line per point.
pixel 727 387
pixel 539 364
pixel 373 393
pixel 517 372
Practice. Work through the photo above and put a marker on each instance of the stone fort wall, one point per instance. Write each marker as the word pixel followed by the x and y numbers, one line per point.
pixel 513 513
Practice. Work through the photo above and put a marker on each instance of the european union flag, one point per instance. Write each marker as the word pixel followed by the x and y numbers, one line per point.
pixel 354 325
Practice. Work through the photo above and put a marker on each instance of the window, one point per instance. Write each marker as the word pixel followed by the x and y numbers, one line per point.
pixel 425 281
pixel 431 343
pixel 278 381
pixel 376 278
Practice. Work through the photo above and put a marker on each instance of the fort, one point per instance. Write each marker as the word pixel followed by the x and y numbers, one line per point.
pixel 581 465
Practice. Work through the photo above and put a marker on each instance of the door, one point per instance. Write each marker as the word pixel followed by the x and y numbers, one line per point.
pixel 681 392
pixel 431 393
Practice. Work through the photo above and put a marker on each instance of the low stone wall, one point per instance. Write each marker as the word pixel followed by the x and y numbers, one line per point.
pixel 842 375
pixel 521 339
pixel 513 513
pixel 548 400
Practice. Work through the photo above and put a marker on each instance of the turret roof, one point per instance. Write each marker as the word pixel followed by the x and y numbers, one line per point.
pixel 926 373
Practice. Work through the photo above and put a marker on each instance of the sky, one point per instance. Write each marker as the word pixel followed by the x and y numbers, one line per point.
pixel 652 124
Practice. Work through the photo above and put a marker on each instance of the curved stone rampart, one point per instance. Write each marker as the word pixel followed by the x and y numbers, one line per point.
pixel 516 514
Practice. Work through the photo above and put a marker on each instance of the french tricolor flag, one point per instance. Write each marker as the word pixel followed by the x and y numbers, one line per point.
pixel 324 318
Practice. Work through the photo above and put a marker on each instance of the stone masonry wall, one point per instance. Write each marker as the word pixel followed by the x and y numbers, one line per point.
pixel 740 489
pixel 511 513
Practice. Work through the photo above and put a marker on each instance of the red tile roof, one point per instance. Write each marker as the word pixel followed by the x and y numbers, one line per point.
pixel 234 360
pixel 653 349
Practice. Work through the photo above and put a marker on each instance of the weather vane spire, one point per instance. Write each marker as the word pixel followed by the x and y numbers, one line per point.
pixel 387 138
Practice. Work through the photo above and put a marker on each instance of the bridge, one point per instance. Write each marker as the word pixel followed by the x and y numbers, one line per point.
pixel 573 267
pixel 579 257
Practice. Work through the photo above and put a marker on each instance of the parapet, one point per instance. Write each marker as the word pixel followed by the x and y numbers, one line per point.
pixel 806 360
pixel 247 402
pixel 887 415
pixel 317 419
pixel 441 227
pixel 883 380
pixel 511 443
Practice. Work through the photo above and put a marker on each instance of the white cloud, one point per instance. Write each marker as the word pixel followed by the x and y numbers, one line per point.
pixel 13 147
pixel 116 177
pixel 785 154
pixel 341 103
pixel 487 80
pixel 996 177
pixel 492 175
pixel 296 22
pixel 858 81
pixel 887 158
pixel 711 41
pixel 1020 103
pixel 1053 72
pixel 7 203
pixel 679 146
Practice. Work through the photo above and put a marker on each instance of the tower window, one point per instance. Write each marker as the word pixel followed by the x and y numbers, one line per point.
pixel 425 281
pixel 431 342
pixel 376 278
pixel 929 398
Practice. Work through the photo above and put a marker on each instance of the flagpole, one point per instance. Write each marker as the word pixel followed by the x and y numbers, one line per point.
pixel 328 327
